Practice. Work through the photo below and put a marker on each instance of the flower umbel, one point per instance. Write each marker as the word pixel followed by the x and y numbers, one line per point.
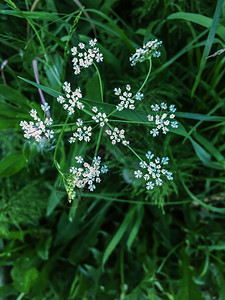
pixel 150 49
pixel 153 170
pixel 82 133
pixel 163 119
pixel 127 100
pixel 85 176
pixel 38 129
pixel 100 118
pixel 85 57
pixel 117 136
pixel 72 99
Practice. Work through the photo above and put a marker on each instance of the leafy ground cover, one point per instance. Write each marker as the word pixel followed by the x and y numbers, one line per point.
pixel 64 237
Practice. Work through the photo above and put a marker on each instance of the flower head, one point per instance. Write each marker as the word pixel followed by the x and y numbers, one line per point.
pixel 99 117
pixel 85 56
pixel 86 175
pixel 38 129
pixel 150 49
pixel 162 120
pixel 71 100
pixel 117 136
pixel 153 170
pixel 82 133
pixel 127 99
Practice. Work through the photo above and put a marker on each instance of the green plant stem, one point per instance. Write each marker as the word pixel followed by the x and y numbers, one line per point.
pixel 146 78
pixel 132 150
pixel 57 146
pixel 100 82
pixel 98 141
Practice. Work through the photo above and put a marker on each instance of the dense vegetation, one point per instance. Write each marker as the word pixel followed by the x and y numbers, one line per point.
pixel 120 241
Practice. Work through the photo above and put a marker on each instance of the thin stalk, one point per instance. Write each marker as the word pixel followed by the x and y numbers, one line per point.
pixel 100 81
pixel 34 63
pixel 57 146
pixel 134 153
pixel 98 142
pixel 146 78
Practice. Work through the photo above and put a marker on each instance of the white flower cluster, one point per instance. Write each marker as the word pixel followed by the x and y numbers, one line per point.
pixel 72 98
pixel 86 175
pixel 117 136
pixel 84 58
pixel 127 101
pixel 38 129
pixel 152 171
pixel 82 133
pixel 163 120
pixel 100 118
pixel 149 50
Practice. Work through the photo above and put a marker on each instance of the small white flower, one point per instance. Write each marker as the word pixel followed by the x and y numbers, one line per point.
pixel 48 121
pixel 45 107
pixel 60 99
pixel 138 174
pixel 79 159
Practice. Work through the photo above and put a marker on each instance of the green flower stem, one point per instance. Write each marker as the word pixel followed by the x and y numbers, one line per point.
pixel 132 150
pixel 57 146
pixel 149 72
pixel 98 141
pixel 100 81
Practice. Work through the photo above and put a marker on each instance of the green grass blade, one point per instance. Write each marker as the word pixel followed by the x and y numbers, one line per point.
pixel 198 19
pixel 118 235
pixel 208 45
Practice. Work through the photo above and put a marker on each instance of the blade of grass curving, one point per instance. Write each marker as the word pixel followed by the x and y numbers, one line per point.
pixel 199 19
pixel 57 146
pixel 106 197
pixel 118 235
pixel 210 147
pixel 200 202
pixel 31 24
pixel 36 15
pixel 208 45
pixel 136 226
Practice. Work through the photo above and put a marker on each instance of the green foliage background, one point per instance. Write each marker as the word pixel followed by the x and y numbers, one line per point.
pixel 115 243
